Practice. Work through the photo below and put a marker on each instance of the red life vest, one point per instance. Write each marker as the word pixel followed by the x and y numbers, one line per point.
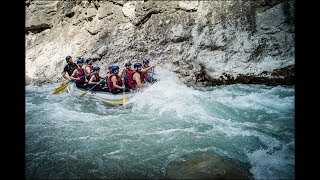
pixel 128 75
pixel 89 76
pixel 97 78
pixel 108 75
pixel 132 83
pixel 80 74
pixel 110 84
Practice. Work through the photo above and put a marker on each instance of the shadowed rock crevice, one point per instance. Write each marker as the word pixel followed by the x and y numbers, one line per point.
pixel 190 10
pixel 287 9
pixel 257 53
pixel 92 32
pixel 282 76
pixel 267 4
pixel 67 8
pixel 38 28
pixel 147 16
pixel 181 39
pixel 251 18
pixel 117 2
pixel 202 76
pixel 70 14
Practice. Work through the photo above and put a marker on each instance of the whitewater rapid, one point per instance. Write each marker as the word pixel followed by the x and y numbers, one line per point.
pixel 73 137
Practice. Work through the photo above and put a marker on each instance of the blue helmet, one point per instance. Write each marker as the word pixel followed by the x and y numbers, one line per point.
pixel 79 61
pixel 114 68
pixel 127 64
pixel 137 65
pixel 145 61
pixel 110 67
pixel 88 60
pixel 96 68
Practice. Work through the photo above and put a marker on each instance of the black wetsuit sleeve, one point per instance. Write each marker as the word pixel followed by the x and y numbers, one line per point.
pixel 65 69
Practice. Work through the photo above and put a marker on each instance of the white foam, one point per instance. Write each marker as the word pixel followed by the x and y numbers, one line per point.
pixel 168 95
pixel 167 115
pixel 268 164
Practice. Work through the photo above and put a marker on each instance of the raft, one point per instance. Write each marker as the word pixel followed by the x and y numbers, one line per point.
pixel 106 97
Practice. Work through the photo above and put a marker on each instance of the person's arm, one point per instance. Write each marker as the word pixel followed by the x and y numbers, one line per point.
pixel 64 75
pixel 88 72
pixel 91 81
pixel 136 77
pixel 114 82
pixel 146 69
pixel 102 78
pixel 74 74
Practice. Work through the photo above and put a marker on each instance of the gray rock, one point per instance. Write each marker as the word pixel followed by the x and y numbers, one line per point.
pixel 188 5
pixel 230 39
pixel 206 166
pixel 27 80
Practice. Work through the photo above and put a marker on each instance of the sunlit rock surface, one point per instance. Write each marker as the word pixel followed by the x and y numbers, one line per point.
pixel 203 42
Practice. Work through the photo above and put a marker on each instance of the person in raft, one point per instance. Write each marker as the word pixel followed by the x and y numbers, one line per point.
pixel 95 79
pixel 146 69
pixel 79 75
pixel 69 68
pixel 128 71
pixel 137 78
pixel 109 73
pixel 89 68
pixel 114 81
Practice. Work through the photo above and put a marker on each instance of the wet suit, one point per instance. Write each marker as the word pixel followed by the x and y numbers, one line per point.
pixel 69 68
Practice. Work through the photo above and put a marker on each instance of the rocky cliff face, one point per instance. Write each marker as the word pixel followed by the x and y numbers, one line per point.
pixel 204 42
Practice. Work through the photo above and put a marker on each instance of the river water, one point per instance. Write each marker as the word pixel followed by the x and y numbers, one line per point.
pixel 73 137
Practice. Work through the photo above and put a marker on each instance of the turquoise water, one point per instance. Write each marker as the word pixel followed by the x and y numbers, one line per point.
pixel 73 137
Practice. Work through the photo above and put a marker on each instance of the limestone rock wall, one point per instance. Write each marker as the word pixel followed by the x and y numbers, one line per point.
pixel 203 42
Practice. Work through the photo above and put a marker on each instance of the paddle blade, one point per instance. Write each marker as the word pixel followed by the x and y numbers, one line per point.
pixel 115 102
pixel 83 94
pixel 61 88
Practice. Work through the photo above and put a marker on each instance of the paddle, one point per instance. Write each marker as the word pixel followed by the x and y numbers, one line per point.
pixel 124 95
pixel 63 86
pixel 152 75
pixel 83 94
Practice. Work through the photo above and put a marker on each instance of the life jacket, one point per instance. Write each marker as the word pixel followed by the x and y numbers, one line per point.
pixel 80 74
pixel 128 75
pixel 69 68
pixel 132 83
pixel 110 84
pixel 108 75
pixel 97 79
pixel 89 76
